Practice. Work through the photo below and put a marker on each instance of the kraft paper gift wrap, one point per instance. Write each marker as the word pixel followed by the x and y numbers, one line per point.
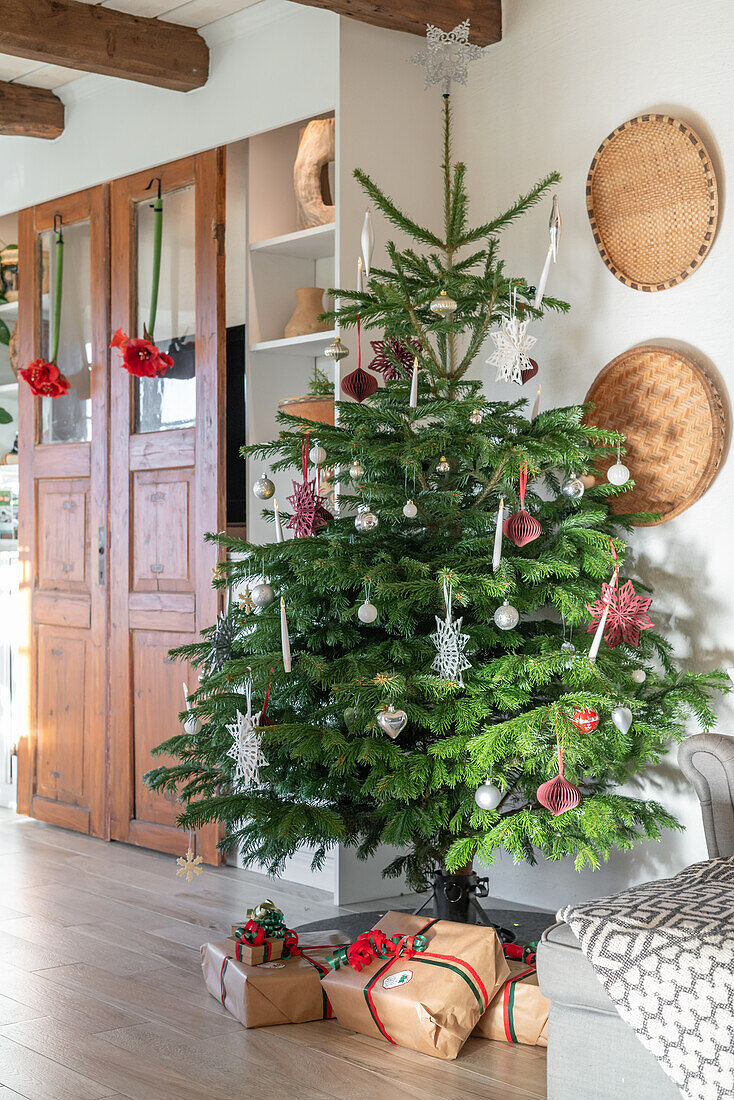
pixel 286 991
pixel 254 953
pixel 430 1002
pixel 519 1012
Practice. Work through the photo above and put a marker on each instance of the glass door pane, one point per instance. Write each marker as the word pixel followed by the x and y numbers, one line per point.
pixel 168 401
pixel 68 419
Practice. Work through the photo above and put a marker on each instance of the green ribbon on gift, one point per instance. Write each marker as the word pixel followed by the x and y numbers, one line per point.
pixel 376 945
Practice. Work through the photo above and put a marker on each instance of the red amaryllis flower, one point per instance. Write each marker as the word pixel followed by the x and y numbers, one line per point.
pixel 393 357
pixel 141 357
pixel 45 379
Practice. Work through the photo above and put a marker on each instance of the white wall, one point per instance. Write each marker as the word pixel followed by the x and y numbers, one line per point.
pixel 566 73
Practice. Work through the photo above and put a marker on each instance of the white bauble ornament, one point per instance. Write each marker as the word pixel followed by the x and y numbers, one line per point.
pixel 443 466
pixel 568 647
pixel 263 487
pixel 365 520
pixel 317 455
pixel 367 612
pixel 487 797
pixel 444 306
pixel 356 470
pixel 573 488
pixel 392 721
pixel 622 718
pixel 263 594
pixel 506 617
pixel 191 725
pixel 410 510
pixel 639 675
pixel 618 474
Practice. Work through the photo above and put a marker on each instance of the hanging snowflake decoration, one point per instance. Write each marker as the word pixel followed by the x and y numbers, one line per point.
pixel 309 513
pixel 189 865
pixel 222 641
pixel 246 750
pixel 447 55
pixel 627 614
pixel 450 643
pixel 394 358
pixel 512 343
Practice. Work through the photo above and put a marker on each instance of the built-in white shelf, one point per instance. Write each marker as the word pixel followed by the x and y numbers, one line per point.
pixel 316 243
pixel 9 387
pixel 312 344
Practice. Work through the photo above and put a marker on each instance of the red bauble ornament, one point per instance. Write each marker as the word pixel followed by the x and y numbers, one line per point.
pixel 585 720
pixel 359 384
pixel 558 795
pixel 522 528
pixel 531 372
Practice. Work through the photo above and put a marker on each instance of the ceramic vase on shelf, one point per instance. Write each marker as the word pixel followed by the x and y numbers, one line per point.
pixel 305 319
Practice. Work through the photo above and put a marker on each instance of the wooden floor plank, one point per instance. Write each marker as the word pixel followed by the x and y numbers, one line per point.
pixel 41 1078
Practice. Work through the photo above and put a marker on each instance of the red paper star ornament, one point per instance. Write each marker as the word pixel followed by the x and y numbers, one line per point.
pixel 393 357
pixel 627 614
pixel 309 513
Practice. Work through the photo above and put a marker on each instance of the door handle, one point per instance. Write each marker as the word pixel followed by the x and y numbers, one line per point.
pixel 101 555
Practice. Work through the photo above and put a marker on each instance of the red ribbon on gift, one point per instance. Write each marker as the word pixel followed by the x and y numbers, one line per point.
pixel 376 945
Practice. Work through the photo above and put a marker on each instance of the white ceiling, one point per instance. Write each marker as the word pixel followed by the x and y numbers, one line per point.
pixel 191 13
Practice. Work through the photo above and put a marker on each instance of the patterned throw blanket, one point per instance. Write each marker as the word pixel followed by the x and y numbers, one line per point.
pixel 664 952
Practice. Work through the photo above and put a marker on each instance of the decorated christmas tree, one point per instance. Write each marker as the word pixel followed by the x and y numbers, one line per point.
pixel 453 660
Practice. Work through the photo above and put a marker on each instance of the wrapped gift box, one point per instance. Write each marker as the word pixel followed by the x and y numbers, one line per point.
pixel 284 991
pixel 429 1002
pixel 253 954
pixel 519 1012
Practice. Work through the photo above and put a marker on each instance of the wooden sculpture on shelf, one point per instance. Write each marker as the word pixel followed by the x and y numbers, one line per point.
pixel 311 173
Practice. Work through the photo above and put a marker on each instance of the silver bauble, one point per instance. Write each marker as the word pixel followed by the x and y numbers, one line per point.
pixel 487 797
pixel 317 455
pixel 350 716
pixel 443 466
pixel 573 488
pixel 365 520
pixel 367 612
pixel 506 617
pixel 263 487
pixel 639 675
pixel 618 474
pixel 568 647
pixel 476 416
pixel 263 594
pixel 392 721
pixel 336 350
pixel 443 305
pixel 622 718
pixel 410 511
pixel 356 470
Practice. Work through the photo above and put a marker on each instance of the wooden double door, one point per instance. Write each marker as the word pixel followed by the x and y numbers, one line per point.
pixel 119 481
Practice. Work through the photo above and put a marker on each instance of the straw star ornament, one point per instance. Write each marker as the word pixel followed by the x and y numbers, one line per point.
pixel 189 865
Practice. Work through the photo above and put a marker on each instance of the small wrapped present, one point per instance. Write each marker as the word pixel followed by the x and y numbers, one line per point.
pixel 254 954
pixel 417 983
pixel 263 937
pixel 519 1012
pixel 285 991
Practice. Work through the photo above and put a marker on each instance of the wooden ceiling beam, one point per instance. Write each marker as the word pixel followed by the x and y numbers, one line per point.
pixel 485 16
pixel 102 40
pixel 30 112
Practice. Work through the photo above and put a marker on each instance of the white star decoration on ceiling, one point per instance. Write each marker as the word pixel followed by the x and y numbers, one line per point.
pixel 447 55
pixel 512 343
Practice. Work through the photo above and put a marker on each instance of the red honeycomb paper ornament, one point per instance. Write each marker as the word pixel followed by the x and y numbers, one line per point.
pixel 558 795
pixel 309 513
pixel 522 528
pixel 359 384
pixel 585 720
pixel 529 372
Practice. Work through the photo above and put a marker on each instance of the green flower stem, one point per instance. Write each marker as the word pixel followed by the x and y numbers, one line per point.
pixel 58 282
pixel 157 240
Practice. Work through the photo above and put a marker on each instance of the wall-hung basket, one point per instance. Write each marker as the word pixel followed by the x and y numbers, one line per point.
pixel 652 201
pixel 673 417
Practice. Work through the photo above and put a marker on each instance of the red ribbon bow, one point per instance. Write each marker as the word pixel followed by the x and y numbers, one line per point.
pixel 375 944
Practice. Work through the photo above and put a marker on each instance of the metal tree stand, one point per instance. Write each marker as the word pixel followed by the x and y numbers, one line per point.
pixel 455 897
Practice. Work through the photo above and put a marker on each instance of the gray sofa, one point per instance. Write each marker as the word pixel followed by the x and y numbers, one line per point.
pixel 592 1053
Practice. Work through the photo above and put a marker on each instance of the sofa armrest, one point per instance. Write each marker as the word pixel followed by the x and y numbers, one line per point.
pixel 707 760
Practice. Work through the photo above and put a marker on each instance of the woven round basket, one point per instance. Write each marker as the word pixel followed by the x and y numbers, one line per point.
pixel 652 201
pixel 672 414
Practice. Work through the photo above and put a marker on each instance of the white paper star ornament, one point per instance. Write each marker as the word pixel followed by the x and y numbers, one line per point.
pixel 512 343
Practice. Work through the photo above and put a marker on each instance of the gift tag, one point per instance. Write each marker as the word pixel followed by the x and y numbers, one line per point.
pixel 400 978
pixel 272 966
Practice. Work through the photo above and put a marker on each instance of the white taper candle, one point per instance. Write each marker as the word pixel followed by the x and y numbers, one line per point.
pixel 279 537
pixel 602 623
pixel 414 386
pixel 497 553
pixel 285 641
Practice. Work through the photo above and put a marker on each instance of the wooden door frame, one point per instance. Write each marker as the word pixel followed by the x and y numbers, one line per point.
pixel 59 460
pixel 206 171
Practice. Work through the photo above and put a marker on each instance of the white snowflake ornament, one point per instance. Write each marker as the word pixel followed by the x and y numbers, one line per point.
pixel 512 343
pixel 246 750
pixel 450 644
pixel 447 55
